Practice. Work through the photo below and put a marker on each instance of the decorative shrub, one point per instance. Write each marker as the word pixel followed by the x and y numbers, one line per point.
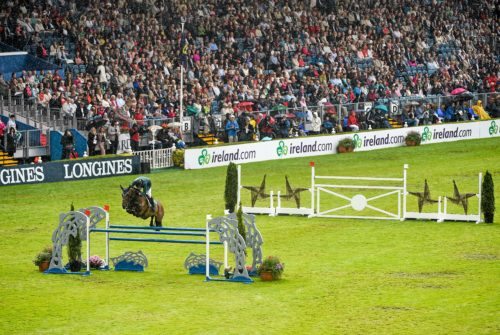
pixel 231 191
pixel 241 226
pixel 272 264
pixel 413 138
pixel 43 256
pixel 178 158
pixel 488 198
pixel 346 145
pixel 95 262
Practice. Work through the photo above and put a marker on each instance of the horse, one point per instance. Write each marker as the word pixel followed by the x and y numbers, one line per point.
pixel 135 203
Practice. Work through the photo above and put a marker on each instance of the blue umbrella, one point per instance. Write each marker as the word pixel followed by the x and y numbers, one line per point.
pixel 382 108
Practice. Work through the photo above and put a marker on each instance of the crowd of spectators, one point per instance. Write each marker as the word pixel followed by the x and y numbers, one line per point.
pixel 125 56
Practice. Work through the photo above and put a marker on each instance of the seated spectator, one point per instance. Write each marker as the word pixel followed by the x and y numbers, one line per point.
pixel 479 110
pixel 327 125
pixel 352 121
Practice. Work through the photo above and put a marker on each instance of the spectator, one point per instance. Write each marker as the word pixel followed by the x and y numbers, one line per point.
pixel 247 132
pixel 67 143
pixel 92 141
pixel 232 129
pixel 327 125
pixel 2 133
pixel 113 134
pixel 11 123
pixel 102 140
pixel 352 121
pixel 316 124
pixel 134 137
pixel 479 110
pixel 11 141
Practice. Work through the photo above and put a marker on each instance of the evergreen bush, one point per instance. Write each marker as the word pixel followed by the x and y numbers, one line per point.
pixel 488 198
pixel 231 191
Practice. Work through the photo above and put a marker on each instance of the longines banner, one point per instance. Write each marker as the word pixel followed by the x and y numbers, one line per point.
pixel 325 145
pixel 69 170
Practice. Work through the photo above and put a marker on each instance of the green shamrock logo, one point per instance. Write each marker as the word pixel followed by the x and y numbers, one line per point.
pixel 426 135
pixel 204 157
pixel 282 149
pixel 357 141
pixel 493 128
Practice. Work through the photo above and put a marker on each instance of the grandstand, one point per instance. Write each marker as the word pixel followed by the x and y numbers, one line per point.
pixel 74 62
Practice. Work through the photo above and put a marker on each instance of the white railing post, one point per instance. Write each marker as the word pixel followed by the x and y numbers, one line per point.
pixel 405 192
pixel 238 194
pixel 207 248
pixel 313 176
pixel 479 195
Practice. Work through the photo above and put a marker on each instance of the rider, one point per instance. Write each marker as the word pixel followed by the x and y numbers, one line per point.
pixel 144 185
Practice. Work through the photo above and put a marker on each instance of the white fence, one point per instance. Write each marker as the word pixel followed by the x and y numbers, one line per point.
pixel 354 197
pixel 158 158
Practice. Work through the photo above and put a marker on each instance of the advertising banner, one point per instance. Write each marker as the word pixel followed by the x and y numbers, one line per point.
pixel 69 170
pixel 324 145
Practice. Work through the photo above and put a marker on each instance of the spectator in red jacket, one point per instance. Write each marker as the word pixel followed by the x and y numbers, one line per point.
pixel 352 121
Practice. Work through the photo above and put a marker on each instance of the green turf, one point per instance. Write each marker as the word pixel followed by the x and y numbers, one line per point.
pixel 341 276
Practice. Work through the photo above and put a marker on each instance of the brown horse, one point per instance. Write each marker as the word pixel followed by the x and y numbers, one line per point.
pixel 135 203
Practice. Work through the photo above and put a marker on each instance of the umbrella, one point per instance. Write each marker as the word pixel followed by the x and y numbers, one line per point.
pixel 330 109
pixel 279 108
pixel 290 115
pixel 382 108
pixel 414 103
pixel 457 91
pixel 245 104
pixel 465 96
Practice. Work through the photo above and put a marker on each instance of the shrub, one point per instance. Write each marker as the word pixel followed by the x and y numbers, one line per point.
pixel 95 262
pixel 488 198
pixel 178 158
pixel 43 256
pixel 346 145
pixel 231 191
pixel 241 226
pixel 413 138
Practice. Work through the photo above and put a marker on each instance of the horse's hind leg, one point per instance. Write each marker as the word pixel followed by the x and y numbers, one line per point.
pixel 151 222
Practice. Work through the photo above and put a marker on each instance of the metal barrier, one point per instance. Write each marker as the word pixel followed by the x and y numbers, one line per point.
pixel 158 158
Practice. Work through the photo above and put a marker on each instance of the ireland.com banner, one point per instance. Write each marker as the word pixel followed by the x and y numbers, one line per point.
pixel 325 145
pixel 69 170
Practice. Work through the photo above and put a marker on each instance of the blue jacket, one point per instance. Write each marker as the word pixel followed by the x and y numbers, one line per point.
pixel 232 128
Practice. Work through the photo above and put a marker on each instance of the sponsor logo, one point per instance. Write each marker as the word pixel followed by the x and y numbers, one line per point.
pixel 97 169
pixel 493 130
pixel 282 149
pixel 358 142
pixel 22 175
pixel 426 135
pixel 204 158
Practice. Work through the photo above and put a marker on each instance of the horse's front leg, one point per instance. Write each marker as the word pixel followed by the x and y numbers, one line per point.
pixel 151 222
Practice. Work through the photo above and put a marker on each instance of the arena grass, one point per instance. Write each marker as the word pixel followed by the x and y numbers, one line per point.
pixel 341 276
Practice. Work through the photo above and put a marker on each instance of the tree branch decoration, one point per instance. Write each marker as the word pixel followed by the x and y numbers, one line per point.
pixel 293 192
pixel 258 192
pixel 459 198
pixel 423 197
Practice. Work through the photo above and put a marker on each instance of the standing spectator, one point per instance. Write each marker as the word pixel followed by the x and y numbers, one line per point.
pixel 2 133
pixel 102 140
pixel 316 124
pixel 92 141
pixel 479 110
pixel 113 132
pixel 11 141
pixel 12 123
pixel 134 137
pixel 232 129
pixel 352 121
pixel 67 142
pixel 247 131
pixel 103 78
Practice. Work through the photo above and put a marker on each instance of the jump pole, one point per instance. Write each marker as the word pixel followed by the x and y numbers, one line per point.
pixel 87 224
pixel 207 245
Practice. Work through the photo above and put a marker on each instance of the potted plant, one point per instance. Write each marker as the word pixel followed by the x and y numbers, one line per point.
pixel 42 259
pixel 413 138
pixel 178 158
pixel 345 145
pixel 271 269
pixel 95 262
pixel 75 252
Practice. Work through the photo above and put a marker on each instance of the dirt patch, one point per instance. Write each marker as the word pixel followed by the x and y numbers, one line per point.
pixel 426 274
pixel 479 257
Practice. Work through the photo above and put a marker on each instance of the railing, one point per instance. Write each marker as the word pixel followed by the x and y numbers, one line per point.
pixel 31 143
pixel 158 158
